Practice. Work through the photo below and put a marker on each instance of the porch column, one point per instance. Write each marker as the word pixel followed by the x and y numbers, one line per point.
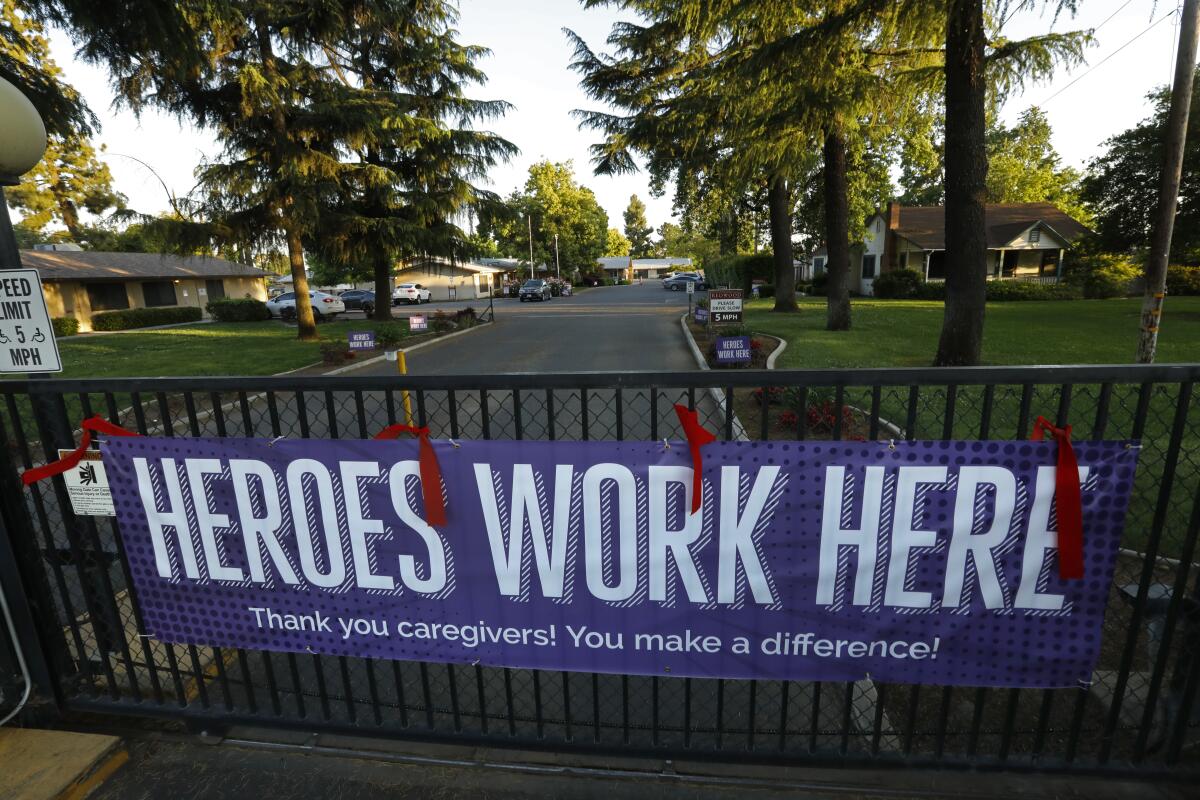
pixel 1000 264
pixel 927 255
pixel 1058 272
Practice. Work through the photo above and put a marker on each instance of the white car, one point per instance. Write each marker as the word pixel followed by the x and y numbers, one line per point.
pixel 411 293
pixel 325 306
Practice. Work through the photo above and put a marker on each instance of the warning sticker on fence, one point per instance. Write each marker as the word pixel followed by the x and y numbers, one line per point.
pixel 87 486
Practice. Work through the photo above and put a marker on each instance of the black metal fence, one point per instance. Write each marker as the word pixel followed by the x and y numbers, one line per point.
pixel 91 652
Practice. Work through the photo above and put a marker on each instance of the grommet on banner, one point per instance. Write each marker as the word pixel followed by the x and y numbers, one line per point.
pixel 666 445
pixel 456 444
pixel 891 444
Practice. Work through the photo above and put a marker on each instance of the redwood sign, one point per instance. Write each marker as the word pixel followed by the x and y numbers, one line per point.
pixel 725 305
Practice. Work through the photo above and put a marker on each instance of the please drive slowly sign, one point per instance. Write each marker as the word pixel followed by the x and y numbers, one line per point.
pixel 26 336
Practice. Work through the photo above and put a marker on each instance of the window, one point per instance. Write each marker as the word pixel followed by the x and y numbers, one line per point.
pixel 215 288
pixel 818 265
pixel 159 293
pixel 107 296
pixel 1035 235
pixel 868 267
pixel 903 261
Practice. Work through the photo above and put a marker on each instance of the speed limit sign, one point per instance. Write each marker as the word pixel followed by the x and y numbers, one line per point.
pixel 691 287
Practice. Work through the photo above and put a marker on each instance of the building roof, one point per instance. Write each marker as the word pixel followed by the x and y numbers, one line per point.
pixel 925 226
pixel 439 262
pixel 59 265
pixel 662 262
pixel 614 262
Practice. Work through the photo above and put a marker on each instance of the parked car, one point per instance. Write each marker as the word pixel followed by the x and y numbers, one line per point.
pixel 679 283
pixel 359 299
pixel 535 289
pixel 325 306
pixel 411 293
pixel 674 275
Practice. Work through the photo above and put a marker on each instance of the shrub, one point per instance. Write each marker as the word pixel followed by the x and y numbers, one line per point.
pixel 65 326
pixel 1001 291
pixel 740 272
pixel 898 284
pixel 234 309
pixel 388 336
pixel 335 351
pixel 1183 280
pixel 930 291
pixel 144 317
pixel 1100 275
pixel 466 317
pixel 766 290
pixel 820 285
pixel 731 330
pixel 441 322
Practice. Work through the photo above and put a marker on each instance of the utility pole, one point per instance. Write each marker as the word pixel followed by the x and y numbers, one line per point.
pixel 529 219
pixel 1168 183
pixel 557 268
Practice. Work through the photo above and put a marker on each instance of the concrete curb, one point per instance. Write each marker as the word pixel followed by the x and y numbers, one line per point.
pixel 776 352
pixel 739 431
pixel 377 359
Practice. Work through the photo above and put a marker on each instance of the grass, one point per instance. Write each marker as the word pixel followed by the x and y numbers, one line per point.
pixel 904 333
pixel 220 348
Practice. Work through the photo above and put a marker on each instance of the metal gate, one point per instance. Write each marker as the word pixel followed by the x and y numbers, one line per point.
pixel 90 652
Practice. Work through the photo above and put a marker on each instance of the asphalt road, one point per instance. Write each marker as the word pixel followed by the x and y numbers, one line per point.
pixel 604 329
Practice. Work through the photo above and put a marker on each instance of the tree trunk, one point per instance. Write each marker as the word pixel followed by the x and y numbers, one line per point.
pixel 70 218
pixel 383 287
pixel 779 196
pixel 727 232
pixel 966 187
pixel 304 312
pixel 837 233
pixel 1168 183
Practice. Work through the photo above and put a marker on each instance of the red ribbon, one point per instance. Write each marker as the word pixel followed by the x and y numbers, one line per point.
pixel 697 437
pixel 1068 498
pixel 70 460
pixel 431 473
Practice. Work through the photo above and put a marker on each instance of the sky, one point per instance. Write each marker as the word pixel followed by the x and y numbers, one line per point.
pixel 529 68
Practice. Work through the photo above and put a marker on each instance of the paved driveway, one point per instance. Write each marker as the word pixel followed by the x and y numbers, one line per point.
pixel 605 329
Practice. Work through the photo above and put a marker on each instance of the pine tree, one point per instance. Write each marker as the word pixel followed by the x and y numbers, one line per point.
pixel 637 229
pixel 408 181
pixel 69 177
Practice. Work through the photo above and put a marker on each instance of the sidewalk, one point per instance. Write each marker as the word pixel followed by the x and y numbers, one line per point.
pixel 332 768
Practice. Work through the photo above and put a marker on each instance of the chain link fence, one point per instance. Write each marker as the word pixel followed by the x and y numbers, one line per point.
pixel 1139 714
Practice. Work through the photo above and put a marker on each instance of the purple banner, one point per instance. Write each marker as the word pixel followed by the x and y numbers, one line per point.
pixel 918 562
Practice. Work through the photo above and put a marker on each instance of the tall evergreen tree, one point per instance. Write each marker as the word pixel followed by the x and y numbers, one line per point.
pixel 637 229
pixel 68 179
pixel 413 172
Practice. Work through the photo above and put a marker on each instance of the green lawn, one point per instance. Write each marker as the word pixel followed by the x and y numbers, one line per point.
pixel 901 333
pixel 221 348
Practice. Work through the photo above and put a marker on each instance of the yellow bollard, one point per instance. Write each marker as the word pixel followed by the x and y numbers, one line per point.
pixel 403 366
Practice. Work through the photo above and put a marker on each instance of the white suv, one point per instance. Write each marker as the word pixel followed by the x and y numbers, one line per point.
pixel 324 306
pixel 410 293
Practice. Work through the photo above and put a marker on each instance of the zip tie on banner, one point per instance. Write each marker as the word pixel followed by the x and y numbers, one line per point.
pixel 431 473
pixel 666 445
pixel 96 424
pixel 697 437
pixel 1069 499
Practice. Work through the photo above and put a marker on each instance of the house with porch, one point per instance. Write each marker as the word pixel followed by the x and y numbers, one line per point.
pixel 1026 242
pixel 449 278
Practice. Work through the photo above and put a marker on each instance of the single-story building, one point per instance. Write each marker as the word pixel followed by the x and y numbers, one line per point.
pixel 624 267
pixel 1026 241
pixel 466 280
pixel 81 283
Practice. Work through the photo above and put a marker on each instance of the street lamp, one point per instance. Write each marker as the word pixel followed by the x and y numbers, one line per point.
pixel 557 269
pixel 22 143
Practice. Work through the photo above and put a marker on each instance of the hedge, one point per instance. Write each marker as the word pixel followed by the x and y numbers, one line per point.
pixel 144 317
pixel 1003 291
pixel 238 309
pixel 65 326
pixel 1183 280
pixel 899 284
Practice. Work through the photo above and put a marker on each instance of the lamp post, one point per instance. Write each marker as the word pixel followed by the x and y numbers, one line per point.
pixel 529 220
pixel 22 142
pixel 557 268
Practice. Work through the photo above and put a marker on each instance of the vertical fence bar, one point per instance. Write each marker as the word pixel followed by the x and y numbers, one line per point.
pixel 1166 483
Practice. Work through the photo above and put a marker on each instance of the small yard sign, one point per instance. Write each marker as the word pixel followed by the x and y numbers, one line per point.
pixel 26 338
pixel 725 305
pixel 701 314
pixel 87 486
pixel 691 287
pixel 418 322
pixel 733 349
pixel 362 340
